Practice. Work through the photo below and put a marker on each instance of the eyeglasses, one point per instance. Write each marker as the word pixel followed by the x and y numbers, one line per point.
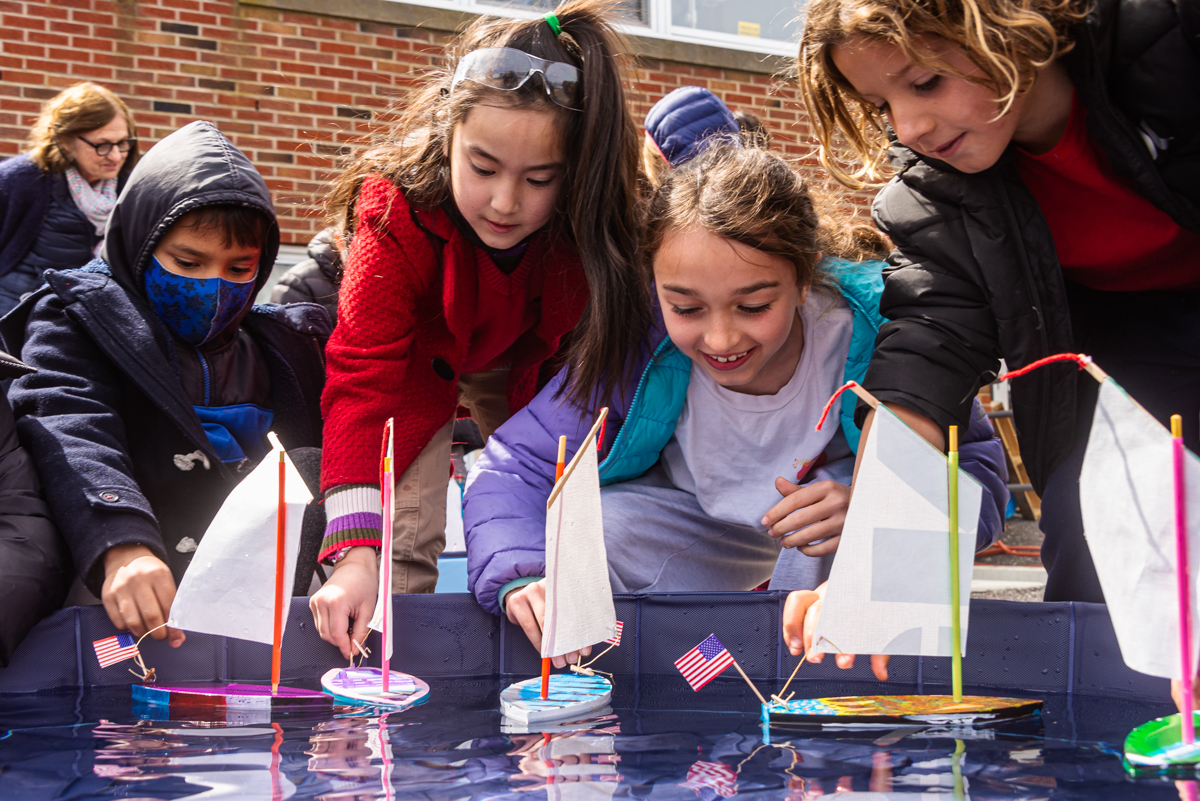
pixel 508 68
pixel 104 148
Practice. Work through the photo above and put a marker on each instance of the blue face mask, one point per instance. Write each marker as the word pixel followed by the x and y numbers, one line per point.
pixel 195 309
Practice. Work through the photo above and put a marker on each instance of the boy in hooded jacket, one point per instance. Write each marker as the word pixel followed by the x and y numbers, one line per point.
pixel 157 381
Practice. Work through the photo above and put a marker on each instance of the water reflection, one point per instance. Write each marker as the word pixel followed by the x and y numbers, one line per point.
pixel 456 748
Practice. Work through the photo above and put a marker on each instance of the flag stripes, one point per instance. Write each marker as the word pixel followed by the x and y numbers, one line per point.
pixel 112 650
pixel 704 663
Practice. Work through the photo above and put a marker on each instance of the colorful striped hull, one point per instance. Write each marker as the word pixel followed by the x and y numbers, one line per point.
pixel 1158 746
pixel 364 686
pixel 209 700
pixel 570 695
pixel 890 710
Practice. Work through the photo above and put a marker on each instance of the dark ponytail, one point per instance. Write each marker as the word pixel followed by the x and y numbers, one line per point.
pixel 597 210
pixel 602 207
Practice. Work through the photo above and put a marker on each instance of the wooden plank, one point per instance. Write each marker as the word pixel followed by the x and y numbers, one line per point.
pixel 1028 503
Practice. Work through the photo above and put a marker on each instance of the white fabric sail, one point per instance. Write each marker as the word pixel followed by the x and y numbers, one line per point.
pixel 889 588
pixel 579 604
pixel 1127 496
pixel 229 588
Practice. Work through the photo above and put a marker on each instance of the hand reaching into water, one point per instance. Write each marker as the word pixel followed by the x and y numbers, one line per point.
pixel 800 614
pixel 349 595
pixel 526 607
pixel 137 592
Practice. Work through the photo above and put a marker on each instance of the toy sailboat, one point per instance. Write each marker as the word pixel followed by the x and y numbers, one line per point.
pixel 380 686
pixel 895 584
pixel 1136 488
pixel 224 592
pixel 579 604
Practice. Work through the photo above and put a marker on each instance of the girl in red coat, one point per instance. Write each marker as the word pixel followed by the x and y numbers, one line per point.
pixel 478 233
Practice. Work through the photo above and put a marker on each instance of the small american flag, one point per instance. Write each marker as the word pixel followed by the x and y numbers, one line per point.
pixel 616 639
pixel 704 663
pixel 711 779
pixel 112 650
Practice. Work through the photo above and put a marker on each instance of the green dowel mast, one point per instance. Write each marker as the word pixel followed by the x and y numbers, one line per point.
pixel 955 622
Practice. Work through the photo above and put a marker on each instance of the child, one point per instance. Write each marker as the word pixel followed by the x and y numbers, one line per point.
pixel 680 126
pixel 156 383
pixel 1046 198
pixel 476 234
pixel 756 332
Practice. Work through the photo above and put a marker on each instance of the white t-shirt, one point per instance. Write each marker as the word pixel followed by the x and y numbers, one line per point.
pixel 729 447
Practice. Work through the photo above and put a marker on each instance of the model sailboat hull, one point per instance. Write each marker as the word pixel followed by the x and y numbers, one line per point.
pixel 364 685
pixel 1158 745
pixel 570 695
pixel 215 697
pixel 892 710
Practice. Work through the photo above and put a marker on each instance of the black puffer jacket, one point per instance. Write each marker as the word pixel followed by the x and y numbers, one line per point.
pixel 975 275
pixel 316 279
pixel 122 454
pixel 35 568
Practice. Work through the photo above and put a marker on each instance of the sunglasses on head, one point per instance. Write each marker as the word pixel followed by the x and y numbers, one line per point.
pixel 509 69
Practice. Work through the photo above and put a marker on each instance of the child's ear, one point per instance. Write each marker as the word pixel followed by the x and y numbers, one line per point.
pixel 803 295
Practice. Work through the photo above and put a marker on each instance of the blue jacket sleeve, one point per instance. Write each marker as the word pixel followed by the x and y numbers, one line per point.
pixel 504 507
pixel 981 454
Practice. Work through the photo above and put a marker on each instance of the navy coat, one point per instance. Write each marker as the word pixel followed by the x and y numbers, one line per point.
pixel 122 455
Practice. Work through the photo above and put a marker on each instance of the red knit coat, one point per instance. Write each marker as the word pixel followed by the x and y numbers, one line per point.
pixel 400 313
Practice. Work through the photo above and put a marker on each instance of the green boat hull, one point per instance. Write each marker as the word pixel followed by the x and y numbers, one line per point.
pixel 1158 746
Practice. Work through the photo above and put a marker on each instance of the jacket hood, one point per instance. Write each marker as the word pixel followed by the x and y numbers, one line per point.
pixel 194 167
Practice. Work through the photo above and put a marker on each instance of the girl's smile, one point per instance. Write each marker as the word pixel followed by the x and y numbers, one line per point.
pixel 731 309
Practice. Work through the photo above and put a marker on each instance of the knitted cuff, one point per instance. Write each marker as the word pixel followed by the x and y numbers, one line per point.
pixel 355 517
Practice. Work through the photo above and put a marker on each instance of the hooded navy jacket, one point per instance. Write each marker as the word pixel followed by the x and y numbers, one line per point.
pixel 121 452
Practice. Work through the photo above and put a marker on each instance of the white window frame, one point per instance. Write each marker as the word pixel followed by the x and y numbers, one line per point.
pixel 657 27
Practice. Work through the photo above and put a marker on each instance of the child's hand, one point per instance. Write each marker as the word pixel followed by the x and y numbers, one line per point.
pixel 800 614
pixel 814 512
pixel 526 607
pixel 349 594
pixel 1177 693
pixel 137 592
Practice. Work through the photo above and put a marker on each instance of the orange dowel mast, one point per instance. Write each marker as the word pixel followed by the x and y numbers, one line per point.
pixel 558 472
pixel 280 543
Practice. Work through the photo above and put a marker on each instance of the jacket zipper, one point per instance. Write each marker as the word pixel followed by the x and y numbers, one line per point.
pixel 207 379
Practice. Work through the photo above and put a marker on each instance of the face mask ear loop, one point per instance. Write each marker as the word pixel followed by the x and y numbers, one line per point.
pixel 552 22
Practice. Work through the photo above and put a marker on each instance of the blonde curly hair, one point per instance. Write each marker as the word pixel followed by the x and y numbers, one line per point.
pixel 76 110
pixel 1008 40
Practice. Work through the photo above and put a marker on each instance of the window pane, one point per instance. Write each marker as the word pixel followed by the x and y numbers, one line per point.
pixel 635 10
pixel 768 19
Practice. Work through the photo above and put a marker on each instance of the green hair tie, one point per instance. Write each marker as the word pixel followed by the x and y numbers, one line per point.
pixel 552 21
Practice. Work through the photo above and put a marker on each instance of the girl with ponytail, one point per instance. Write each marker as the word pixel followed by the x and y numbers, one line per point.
pixel 499 216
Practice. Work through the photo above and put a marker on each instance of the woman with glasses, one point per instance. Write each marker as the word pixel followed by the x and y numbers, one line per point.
pixel 56 197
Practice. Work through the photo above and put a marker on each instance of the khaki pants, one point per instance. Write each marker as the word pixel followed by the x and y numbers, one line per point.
pixel 419 519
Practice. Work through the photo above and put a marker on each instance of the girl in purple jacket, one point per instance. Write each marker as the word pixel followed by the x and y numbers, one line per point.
pixel 711 463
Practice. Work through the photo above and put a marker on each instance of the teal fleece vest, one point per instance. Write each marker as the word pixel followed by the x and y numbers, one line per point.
pixel 662 388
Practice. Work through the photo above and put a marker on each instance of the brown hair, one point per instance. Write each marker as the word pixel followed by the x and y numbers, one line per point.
pixel 596 211
pixel 1008 40
pixel 754 132
pixel 754 197
pixel 81 108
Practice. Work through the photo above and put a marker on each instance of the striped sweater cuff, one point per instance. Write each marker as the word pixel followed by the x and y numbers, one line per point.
pixel 355 517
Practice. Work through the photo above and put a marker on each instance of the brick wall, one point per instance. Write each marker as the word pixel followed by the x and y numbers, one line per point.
pixel 294 91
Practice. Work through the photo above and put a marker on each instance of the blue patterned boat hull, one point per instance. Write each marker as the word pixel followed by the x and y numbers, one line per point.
pixel 570 695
